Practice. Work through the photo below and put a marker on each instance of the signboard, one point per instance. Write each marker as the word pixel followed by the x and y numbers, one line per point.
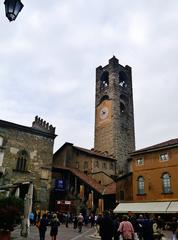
pixel 64 202
pixel 59 185
pixel 65 206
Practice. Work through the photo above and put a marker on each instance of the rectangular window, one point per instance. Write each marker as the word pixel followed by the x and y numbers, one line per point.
pixel 163 157
pixel 140 161
pixel 104 165
pixel 77 164
pixel 96 163
pixel 111 166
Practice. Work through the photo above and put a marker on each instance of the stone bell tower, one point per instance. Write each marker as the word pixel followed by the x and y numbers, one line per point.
pixel 114 116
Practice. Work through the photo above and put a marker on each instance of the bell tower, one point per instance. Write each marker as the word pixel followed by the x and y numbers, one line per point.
pixel 114 116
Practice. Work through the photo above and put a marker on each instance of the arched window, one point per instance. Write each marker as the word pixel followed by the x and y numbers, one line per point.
pixel 122 107
pixel 123 79
pixel 104 79
pixel 141 185
pixel 123 103
pixel 166 181
pixel 22 161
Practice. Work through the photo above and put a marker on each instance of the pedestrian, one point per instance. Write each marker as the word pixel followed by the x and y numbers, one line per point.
pixel 54 227
pixel 156 231
pixel 42 226
pixel 67 219
pixel 35 217
pixel 31 218
pixel 116 226
pixel 75 220
pixel 126 229
pixel 98 223
pixel 38 216
pixel 160 223
pixel 147 228
pixel 133 220
pixel 106 227
pixel 174 227
pixel 80 222
pixel 140 230
pixel 92 219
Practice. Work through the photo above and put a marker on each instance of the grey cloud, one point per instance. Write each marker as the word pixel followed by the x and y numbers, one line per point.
pixel 49 54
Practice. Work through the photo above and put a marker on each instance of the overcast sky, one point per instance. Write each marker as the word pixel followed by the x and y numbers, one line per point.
pixel 48 58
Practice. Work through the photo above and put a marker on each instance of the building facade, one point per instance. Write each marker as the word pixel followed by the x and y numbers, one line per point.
pixel 97 165
pixel 114 116
pixel 155 172
pixel 80 173
pixel 24 154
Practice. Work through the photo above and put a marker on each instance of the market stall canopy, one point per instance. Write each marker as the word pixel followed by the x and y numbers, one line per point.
pixel 142 207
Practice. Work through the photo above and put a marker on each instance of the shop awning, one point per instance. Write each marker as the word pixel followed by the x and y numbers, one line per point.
pixel 173 207
pixel 142 207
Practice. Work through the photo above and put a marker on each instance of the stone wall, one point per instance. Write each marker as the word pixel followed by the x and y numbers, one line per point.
pixel 39 148
pixel 116 135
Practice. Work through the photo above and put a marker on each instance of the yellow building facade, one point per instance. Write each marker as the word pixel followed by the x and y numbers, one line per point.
pixel 155 172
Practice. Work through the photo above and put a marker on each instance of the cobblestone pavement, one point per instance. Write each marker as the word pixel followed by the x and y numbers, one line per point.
pixel 63 233
pixel 69 234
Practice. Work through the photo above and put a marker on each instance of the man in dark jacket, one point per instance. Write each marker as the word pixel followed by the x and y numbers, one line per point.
pixel 43 227
pixel 106 227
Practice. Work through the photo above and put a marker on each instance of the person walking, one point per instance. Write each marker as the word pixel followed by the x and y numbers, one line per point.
pixel 147 228
pixel 126 229
pixel 80 222
pixel 31 218
pixel 174 229
pixel 156 231
pixel 75 221
pixel 54 227
pixel 140 231
pixel 106 227
pixel 133 220
pixel 67 220
pixel 116 226
pixel 43 223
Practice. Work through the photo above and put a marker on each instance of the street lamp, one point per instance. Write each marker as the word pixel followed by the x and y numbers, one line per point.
pixel 12 9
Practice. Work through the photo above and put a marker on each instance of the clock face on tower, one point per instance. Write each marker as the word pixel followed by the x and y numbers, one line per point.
pixel 103 113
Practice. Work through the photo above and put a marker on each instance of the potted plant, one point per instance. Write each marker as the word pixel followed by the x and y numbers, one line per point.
pixel 11 210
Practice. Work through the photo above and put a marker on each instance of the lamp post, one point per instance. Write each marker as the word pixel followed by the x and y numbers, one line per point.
pixel 12 9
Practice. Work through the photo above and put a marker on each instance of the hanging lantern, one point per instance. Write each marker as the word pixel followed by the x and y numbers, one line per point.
pixel 12 9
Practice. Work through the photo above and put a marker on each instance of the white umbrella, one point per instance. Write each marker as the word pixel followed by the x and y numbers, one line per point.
pixel 7 193
pixel 17 192
pixel 27 210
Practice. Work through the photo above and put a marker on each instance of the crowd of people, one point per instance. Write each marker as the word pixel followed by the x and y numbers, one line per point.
pixel 107 225
pixel 53 220
pixel 131 227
